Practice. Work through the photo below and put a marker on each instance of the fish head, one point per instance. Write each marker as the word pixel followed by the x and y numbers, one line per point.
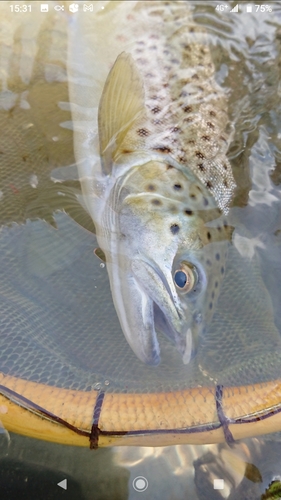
pixel 165 263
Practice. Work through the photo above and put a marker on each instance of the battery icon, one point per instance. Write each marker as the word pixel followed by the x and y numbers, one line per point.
pixel 249 8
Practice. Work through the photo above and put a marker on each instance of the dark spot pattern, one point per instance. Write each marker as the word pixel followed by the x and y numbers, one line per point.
pixel 212 113
pixel 205 137
pixel 188 211
pixel 209 235
pixel 150 187
pixel 218 256
pixel 143 132
pixel 210 125
pixel 156 110
pixel 211 305
pixel 200 155
pixel 156 202
pixel 187 109
pixel 209 184
pixel 177 186
pixel 201 167
pixel 222 269
pixel 174 228
pixel 162 149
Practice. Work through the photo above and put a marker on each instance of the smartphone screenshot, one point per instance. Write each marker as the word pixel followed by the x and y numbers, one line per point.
pixel 140 250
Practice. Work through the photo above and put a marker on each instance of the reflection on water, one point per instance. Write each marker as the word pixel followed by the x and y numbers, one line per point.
pixel 35 143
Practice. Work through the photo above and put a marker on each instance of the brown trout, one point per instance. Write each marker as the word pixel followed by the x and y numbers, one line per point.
pixel 159 192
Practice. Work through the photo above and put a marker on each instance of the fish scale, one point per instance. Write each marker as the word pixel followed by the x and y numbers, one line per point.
pixel 161 186
pixel 186 116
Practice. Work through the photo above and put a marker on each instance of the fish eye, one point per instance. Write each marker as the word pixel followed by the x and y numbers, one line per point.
pixel 185 277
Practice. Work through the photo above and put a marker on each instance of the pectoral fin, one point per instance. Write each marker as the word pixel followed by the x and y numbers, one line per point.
pixel 122 102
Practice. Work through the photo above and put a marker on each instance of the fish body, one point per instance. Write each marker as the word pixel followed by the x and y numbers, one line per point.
pixel 163 181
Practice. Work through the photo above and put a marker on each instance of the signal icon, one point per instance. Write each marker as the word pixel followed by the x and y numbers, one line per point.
pixel 235 9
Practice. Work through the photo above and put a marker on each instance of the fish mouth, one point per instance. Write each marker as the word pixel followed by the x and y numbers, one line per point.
pixel 159 309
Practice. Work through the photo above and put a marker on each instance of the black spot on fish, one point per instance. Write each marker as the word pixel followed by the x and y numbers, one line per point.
pixel 225 183
pixel 209 235
pixel 205 137
pixel 195 77
pixel 225 166
pixel 209 184
pixel 201 167
pixel 212 113
pixel 162 149
pixel 143 132
pixel 156 202
pixel 208 262
pixel 169 167
pixel 219 228
pixel 203 50
pixel 182 159
pixel 193 196
pixel 174 228
pixel 189 119
pixel 210 125
pixel 187 109
pixel 177 187
pixel 222 270
pixel 157 122
pixel 218 256
pixel 216 284
pixel 211 305
pixel 150 187
pixel 156 110
pixel 183 93
pixel 188 211
pixel 205 201
pixel 223 138
pixel 199 155
pixel 186 46
pixel 191 141
pixel 175 129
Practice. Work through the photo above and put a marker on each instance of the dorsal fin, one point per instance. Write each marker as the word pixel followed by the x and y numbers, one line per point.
pixel 122 102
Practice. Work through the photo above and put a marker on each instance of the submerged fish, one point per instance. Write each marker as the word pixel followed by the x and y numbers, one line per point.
pixel 163 178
